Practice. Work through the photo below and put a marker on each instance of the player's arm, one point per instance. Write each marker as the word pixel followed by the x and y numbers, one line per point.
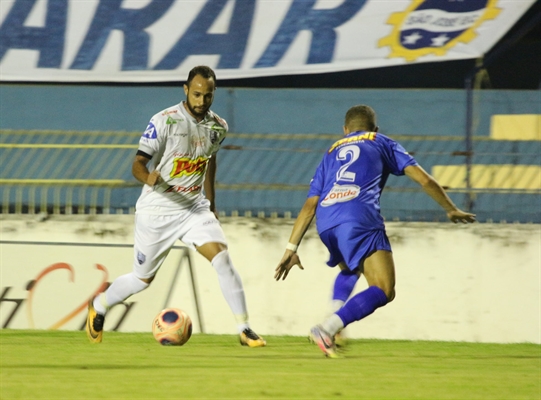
pixel 209 183
pixel 434 190
pixel 140 171
pixel 303 221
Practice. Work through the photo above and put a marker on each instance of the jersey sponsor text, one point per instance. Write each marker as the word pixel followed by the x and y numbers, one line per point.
pixel 341 194
pixel 183 189
pixel 187 166
pixel 354 139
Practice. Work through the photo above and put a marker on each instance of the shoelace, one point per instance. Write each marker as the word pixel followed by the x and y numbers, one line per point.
pixel 251 334
pixel 325 342
pixel 97 324
pixel 325 339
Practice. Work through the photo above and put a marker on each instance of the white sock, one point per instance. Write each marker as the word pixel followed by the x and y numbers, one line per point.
pixel 336 305
pixel 122 287
pixel 232 288
pixel 332 324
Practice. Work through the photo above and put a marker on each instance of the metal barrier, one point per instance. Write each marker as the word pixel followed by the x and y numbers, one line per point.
pixel 265 175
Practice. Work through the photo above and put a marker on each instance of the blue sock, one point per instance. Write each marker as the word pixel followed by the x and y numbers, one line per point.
pixel 362 304
pixel 344 285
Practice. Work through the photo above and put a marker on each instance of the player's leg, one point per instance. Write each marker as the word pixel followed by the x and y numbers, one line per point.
pixel 153 240
pixel 378 269
pixel 122 287
pixel 207 237
pixel 364 252
pixel 346 279
pixel 229 279
pixel 343 287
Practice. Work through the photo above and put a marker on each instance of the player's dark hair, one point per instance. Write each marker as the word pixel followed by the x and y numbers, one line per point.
pixel 202 70
pixel 361 118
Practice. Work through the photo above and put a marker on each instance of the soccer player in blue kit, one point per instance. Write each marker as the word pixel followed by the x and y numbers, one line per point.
pixel 344 196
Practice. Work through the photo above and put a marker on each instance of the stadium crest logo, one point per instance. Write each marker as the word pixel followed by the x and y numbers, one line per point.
pixel 436 26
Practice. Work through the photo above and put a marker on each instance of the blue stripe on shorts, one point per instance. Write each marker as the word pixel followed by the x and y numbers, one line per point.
pixel 350 243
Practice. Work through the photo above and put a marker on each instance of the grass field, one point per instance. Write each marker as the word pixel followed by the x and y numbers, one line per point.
pixel 63 365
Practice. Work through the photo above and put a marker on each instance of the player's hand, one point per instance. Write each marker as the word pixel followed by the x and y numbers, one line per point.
pixel 154 178
pixel 289 260
pixel 461 216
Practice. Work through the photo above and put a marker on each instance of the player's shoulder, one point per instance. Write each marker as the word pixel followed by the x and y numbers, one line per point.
pixel 167 113
pixel 386 140
pixel 217 119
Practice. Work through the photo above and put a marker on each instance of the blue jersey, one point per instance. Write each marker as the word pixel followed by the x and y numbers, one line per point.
pixel 351 177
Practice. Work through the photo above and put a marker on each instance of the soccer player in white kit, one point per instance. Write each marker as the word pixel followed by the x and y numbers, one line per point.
pixel 176 161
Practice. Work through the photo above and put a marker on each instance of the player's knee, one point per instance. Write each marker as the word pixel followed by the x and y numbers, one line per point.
pixel 222 262
pixel 148 281
pixel 390 295
pixel 137 279
pixel 389 292
pixel 211 250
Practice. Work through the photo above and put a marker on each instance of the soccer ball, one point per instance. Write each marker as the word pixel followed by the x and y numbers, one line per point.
pixel 172 327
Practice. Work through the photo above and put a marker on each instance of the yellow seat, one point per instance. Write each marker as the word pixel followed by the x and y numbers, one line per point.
pixel 506 176
pixel 515 127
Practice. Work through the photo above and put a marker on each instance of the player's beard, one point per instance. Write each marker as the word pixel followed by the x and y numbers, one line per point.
pixel 195 112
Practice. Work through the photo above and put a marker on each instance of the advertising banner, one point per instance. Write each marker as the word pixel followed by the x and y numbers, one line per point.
pixel 161 40
pixel 47 285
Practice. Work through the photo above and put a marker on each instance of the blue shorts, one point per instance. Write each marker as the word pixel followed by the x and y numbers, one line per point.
pixel 350 243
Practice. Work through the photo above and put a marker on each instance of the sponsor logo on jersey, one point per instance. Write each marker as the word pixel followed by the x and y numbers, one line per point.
pixel 172 121
pixel 341 194
pixel 186 166
pixel 354 139
pixel 436 26
pixel 169 112
pixel 150 132
pixel 183 189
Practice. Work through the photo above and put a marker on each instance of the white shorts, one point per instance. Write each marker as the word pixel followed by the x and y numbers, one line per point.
pixel 155 235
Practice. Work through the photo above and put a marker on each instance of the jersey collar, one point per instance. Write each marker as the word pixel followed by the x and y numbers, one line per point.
pixel 355 133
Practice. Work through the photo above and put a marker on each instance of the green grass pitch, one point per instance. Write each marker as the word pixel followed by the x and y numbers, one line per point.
pixel 63 365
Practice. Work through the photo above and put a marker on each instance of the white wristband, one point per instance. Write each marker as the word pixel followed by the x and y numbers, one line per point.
pixel 292 247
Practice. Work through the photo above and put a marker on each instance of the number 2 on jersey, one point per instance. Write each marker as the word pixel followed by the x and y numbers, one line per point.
pixel 343 174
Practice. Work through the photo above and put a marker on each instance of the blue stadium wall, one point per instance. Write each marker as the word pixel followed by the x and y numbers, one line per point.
pixel 429 114
pixel 126 108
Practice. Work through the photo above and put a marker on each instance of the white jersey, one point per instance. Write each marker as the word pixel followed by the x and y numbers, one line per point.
pixel 180 148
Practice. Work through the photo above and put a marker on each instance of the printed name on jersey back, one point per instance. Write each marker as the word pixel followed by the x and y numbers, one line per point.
pixel 341 194
pixel 186 166
pixel 354 139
